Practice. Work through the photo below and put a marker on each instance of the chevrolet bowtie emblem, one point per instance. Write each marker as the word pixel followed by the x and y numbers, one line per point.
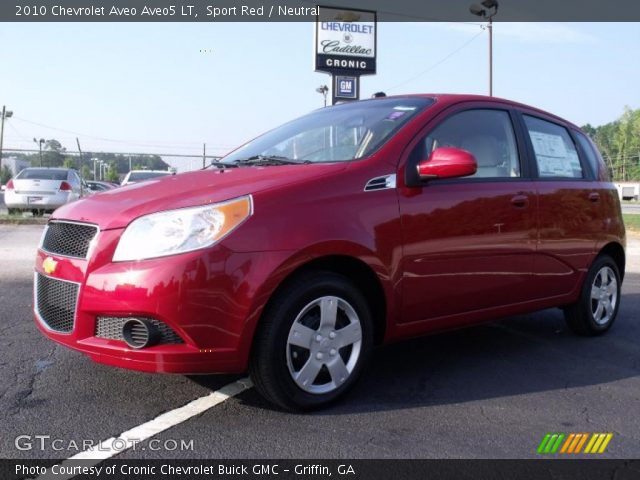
pixel 49 265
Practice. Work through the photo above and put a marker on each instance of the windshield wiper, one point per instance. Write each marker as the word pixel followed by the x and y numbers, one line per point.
pixel 270 160
pixel 220 165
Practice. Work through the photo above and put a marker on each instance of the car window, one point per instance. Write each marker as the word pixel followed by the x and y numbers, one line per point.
pixel 556 155
pixel 589 153
pixel 487 134
pixel 41 174
pixel 343 132
pixel 74 178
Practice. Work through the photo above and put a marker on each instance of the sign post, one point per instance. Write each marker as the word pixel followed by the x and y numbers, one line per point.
pixel 345 47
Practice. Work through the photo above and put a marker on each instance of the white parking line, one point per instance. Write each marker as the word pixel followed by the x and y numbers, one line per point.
pixel 115 445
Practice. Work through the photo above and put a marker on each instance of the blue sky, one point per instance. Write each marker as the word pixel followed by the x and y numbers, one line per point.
pixel 169 87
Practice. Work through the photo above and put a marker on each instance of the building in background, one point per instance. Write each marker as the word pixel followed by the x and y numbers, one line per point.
pixel 15 164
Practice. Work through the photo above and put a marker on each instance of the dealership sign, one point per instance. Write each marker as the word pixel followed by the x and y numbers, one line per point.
pixel 345 88
pixel 345 41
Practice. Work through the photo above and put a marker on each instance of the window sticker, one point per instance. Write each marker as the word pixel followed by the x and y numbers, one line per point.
pixel 395 115
pixel 554 159
pixel 548 145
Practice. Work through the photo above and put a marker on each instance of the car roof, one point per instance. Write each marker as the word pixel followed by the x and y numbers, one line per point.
pixel 446 99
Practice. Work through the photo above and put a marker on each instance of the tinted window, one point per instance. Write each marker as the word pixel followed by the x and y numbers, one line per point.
pixel 42 174
pixel 556 155
pixel 340 133
pixel 139 176
pixel 487 134
pixel 590 154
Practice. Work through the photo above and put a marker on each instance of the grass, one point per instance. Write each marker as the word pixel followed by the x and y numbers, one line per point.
pixel 21 220
pixel 632 222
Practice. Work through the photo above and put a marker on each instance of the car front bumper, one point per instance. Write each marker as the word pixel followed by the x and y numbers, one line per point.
pixel 210 298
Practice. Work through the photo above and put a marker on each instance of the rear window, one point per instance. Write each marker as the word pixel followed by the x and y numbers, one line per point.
pixel 140 176
pixel 42 174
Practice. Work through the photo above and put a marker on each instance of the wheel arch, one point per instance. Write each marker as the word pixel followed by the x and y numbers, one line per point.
pixel 355 269
pixel 615 251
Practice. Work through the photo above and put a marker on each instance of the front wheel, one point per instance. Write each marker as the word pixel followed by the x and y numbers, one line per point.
pixel 597 307
pixel 313 342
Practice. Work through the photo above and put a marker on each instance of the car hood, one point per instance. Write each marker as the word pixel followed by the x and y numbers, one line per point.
pixel 118 207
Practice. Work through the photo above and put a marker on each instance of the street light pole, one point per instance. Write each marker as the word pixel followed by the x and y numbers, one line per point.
pixel 5 114
pixel 323 89
pixel 484 13
pixel 490 27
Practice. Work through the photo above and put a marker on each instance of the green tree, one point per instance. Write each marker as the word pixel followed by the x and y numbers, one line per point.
pixel 86 172
pixel 112 173
pixel 70 162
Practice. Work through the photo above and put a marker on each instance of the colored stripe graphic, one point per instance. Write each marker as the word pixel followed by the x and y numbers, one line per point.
pixel 572 443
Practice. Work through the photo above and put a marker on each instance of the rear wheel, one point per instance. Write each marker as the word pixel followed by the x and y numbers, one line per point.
pixel 313 342
pixel 597 308
pixel 13 211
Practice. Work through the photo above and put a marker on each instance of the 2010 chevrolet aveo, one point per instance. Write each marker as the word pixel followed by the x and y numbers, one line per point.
pixel 355 225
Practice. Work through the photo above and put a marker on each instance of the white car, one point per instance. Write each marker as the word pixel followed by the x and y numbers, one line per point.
pixel 135 176
pixel 42 189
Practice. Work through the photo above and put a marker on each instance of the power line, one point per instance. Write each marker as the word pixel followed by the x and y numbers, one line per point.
pixel 140 154
pixel 105 139
pixel 440 62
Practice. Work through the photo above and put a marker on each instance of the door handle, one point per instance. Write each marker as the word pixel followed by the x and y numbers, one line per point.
pixel 520 201
pixel 594 197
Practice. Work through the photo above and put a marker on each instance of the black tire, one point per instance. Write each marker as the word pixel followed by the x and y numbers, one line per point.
pixel 272 354
pixel 13 211
pixel 37 213
pixel 580 316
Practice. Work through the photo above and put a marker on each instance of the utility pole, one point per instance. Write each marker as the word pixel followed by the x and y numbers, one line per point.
pixel 204 154
pixel 129 162
pixel 5 114
pixel 39 142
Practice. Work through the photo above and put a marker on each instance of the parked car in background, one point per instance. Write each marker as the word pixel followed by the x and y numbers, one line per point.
pixel 294 256
pixel 41 190
pixel 135 176
pixel 99 186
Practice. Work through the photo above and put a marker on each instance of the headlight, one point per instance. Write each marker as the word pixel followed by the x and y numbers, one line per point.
pixel 183 230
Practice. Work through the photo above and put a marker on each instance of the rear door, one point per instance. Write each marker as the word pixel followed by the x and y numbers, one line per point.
pixel 568 204
pixel 468 243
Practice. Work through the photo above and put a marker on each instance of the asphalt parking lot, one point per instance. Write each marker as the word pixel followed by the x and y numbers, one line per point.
pixel 487 392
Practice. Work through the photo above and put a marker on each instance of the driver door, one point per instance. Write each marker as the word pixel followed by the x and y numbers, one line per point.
pixel 469 242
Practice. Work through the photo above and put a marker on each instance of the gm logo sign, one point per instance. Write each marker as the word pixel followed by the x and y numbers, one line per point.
pixel 346 87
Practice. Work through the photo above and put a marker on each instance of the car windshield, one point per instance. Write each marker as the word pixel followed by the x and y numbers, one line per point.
pixel 344 132
pixel 42 174
pixel 139 176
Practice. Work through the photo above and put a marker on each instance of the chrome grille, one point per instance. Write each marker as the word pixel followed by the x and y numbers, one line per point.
pixel 68 239
pixel 111 327
pixel 56 302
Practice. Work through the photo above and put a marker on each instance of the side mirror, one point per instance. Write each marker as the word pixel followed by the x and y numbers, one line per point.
pixel 446 162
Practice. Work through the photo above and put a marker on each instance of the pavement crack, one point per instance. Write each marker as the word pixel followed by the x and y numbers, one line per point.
pixel 40 366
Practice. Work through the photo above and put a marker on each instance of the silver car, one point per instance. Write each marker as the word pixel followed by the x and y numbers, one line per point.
pixel 42 189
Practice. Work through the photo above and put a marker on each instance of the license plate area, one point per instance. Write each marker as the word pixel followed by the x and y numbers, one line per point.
pixel 34 200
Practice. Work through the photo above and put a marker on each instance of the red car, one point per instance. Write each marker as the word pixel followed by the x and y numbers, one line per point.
pixel 355 225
